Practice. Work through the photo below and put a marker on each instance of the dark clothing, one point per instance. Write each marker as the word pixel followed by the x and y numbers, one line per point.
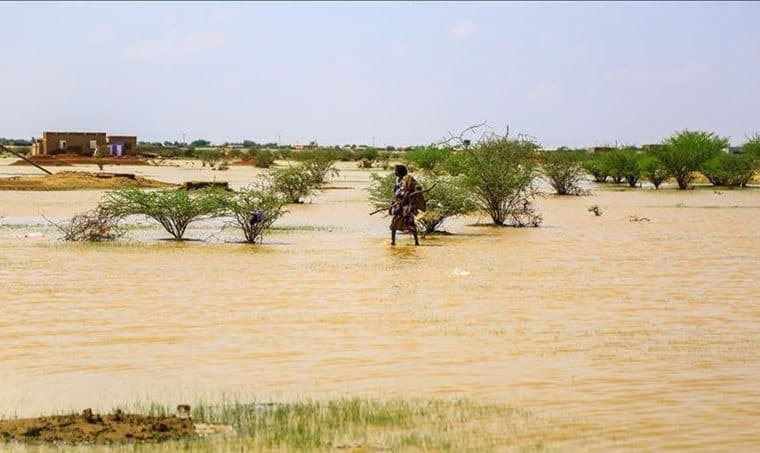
pixel 408 202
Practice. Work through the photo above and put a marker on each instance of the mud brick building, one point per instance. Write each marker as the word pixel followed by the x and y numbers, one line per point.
pixel 84 143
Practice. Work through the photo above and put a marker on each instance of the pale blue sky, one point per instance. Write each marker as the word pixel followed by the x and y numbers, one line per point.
pixel 568 74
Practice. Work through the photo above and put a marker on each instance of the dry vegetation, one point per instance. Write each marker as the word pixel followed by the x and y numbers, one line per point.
pixel 353 424
pixel 75 180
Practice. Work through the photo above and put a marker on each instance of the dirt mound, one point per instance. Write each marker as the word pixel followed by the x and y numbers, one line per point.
pixel 76 180
pixel 243 163
pixel 91 428
pixel 72 159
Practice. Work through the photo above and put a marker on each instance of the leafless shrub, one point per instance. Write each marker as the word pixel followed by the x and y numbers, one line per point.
pixel 93 226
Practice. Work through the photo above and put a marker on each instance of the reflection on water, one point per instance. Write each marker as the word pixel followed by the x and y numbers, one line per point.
pixel 648 333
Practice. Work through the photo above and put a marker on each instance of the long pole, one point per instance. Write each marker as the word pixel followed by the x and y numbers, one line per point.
pixel 24 157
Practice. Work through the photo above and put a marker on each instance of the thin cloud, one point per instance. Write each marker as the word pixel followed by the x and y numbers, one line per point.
pixel 465 30
pixel 176 46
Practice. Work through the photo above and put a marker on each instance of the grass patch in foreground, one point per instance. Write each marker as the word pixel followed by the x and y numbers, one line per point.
pixel 353 424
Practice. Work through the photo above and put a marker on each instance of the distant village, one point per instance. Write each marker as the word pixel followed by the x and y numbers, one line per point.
pixel 101 144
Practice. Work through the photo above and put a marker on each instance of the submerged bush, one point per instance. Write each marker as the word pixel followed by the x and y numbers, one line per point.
pixel 596 168
pixel 293 183
pixel 446 198
pixel 685 152
pixel 653 170
pixel 729 169
pixel 564 171
pixel 320 169
pixel 614 163
pixel 500 174
pixel 93 226
pixel 174 209
pixel 629 161
pixel 253 209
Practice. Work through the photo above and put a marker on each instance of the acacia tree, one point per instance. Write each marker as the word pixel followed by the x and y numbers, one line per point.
pixel 685 151
pixel 500 173
pixel 564 171
pixel 174 209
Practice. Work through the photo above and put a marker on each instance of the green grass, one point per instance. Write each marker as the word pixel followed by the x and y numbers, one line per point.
pixel 354 424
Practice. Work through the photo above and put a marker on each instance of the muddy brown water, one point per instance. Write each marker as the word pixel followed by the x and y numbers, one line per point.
pixel 645 333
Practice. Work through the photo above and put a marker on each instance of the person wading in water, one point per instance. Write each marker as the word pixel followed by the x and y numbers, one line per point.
pixel 408 201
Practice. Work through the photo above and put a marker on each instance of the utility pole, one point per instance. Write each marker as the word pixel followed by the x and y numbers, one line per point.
pixel 373 141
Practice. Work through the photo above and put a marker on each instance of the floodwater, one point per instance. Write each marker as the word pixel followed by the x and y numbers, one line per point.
pixel 647 334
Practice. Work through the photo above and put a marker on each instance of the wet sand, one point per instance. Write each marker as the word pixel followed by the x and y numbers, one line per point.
pixel 645 333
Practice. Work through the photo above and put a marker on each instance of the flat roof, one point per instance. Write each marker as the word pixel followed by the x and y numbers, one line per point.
pixel 74 133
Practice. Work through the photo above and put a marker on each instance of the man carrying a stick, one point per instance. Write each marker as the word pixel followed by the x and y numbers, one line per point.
pixel 408 201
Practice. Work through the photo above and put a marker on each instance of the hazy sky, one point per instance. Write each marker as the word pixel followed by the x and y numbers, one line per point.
pixel 568 74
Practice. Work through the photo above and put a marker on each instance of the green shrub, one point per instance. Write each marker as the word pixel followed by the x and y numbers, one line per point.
pixel 685 152
pixel 174 209
pixel 208 157
pixel 446 198
pixel 320 166
pixel 346 155
pixel 233 153
pixel 564 171
pixel 253 209
pixel 263 158
pixel 629 159
pixel 500 174
pixel 293 183
pixel 752 146
pixel 729 169
pixel 371 154
pixel 427 158
pixel 614 164
pixel 596 168
pixel 653 170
